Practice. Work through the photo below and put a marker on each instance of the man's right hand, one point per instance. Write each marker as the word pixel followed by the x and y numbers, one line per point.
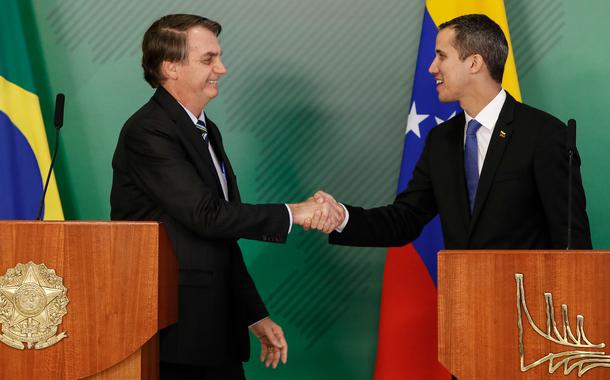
pixel 319 212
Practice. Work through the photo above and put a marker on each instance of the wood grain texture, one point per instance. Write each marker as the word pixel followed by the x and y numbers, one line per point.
pixel 142 364
pixel 112 273
pixel 477 309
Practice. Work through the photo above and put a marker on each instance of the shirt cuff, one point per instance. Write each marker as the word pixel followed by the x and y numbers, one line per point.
pixel 341 226
pixel 289 219
pixel 257 322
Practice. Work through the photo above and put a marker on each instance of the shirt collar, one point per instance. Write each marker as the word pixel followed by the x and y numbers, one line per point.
pixel 192 116
pixel 490 113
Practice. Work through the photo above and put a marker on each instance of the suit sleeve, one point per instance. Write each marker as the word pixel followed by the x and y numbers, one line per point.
pixel 551 174
pixel 396 224
pixel 159 165
pixel 246 296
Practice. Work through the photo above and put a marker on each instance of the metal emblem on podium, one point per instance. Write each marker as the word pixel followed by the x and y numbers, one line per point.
pixel 581 354
pixel 33 303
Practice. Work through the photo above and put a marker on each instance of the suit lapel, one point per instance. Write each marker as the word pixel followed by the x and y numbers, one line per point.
pixel 216 142
pixel 497 145
pixel 457 146
pixel 187 130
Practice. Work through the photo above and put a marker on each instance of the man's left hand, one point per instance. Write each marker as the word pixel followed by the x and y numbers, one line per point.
pixel 273 343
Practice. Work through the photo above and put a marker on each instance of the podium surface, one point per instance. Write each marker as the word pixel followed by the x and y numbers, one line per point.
pixel 524 314
pixel 121 281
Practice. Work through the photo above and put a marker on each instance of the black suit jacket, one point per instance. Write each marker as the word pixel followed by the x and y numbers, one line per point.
pixel 521 200
pixel 163 171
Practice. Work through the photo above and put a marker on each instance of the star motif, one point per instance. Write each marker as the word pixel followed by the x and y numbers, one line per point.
pixel 414 120
pixel 30 280
pixel 439 120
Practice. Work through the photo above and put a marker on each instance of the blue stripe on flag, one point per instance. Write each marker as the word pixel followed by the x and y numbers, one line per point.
pixel 425 113
pixel 20 180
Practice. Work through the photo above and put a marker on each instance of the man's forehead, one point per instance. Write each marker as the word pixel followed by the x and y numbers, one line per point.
pixel 445 39
pixel 199 37
pixel 446 35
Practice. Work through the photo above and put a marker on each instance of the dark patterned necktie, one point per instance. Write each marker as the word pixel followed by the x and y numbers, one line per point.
pixel 203 129
pixel 221 164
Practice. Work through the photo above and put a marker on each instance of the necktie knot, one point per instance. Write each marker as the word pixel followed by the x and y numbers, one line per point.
pixel 473 127
pixel 203 129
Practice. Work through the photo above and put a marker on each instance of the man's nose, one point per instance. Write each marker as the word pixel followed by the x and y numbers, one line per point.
pixel 433 69
pixel 220 68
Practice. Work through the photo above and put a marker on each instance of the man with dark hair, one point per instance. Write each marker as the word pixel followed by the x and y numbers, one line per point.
pixel 165 40
pixel 478 34
pixel 496 174
pixel 170 165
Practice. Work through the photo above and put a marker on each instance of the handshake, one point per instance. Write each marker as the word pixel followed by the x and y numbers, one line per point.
pixel 320 212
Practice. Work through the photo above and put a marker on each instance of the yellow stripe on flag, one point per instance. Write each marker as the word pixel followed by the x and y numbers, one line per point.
pixel 23 108
pixel 445 10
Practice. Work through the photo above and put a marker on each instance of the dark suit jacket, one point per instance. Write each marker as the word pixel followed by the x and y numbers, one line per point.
pixel 521 200
pixel 163 171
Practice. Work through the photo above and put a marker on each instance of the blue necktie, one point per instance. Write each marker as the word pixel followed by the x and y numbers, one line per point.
pixel 203 129
pixel 471 161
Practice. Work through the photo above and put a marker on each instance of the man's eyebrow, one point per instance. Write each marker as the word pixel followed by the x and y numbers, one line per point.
pixel 209 55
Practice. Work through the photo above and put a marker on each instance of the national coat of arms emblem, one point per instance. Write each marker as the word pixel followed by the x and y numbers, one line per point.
pixel 33 303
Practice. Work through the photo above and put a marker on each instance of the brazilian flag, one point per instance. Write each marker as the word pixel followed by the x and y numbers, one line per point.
pixel 24 149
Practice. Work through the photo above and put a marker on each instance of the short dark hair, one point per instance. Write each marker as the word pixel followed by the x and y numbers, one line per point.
pixel 165 40
pixel 478 34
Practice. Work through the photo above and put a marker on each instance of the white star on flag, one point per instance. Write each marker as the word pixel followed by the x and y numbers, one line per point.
pixel 439 120
pixel 414 120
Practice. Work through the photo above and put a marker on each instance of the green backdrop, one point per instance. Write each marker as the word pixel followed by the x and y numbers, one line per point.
pixel 317 97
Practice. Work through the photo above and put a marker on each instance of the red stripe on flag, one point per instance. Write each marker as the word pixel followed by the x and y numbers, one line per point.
pixel 407 343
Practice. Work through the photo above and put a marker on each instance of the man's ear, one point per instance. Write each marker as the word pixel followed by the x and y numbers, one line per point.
pixel 477 63
pixel 169 69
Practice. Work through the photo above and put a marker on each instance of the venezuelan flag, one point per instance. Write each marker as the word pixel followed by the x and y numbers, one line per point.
pixel 24 150
pixel 407 341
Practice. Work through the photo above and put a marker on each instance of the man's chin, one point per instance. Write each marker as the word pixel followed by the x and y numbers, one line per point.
pixel 211 92
pixel 445 98
pixel 212 96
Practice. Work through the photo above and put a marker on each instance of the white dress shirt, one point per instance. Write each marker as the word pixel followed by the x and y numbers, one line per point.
pixel 217 164
pixel 488 118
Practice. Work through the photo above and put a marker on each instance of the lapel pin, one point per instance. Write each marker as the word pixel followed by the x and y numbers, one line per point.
pixel 502 134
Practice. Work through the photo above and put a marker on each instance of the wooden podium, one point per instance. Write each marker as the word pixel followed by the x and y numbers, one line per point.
pixel 121 280
pixel 513 314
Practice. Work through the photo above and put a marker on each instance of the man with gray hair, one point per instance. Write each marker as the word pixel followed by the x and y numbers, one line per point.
pixel 170 165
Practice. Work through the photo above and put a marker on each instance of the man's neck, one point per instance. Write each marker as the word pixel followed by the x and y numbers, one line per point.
pixel 479 97
pixel 196 106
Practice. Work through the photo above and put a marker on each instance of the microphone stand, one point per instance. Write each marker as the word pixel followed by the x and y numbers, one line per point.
pixel 59 121
pixel 571 145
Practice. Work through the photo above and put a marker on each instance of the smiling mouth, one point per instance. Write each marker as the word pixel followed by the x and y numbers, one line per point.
pixel 439 81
